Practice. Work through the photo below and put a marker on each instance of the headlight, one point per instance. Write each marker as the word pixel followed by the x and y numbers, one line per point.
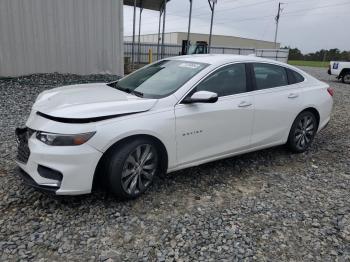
pixel 63 140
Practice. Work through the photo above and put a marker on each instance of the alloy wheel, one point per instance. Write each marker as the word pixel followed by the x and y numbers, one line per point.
pixel 139 169
pixel 304 132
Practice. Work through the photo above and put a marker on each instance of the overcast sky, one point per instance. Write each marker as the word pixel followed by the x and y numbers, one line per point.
pixel 307 24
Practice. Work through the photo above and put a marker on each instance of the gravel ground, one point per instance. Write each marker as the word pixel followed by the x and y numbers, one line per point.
pixel 269 205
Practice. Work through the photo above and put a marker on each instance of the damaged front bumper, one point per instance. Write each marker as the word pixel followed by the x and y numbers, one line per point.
pixel 63 170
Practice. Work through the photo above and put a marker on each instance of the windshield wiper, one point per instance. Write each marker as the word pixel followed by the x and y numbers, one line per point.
pixel 127 90
pixel 137 93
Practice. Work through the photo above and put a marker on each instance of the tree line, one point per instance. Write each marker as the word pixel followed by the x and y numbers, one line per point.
pixel 333 54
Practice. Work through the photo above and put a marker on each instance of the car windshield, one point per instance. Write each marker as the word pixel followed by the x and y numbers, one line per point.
pixel 160 79
pixel 192 50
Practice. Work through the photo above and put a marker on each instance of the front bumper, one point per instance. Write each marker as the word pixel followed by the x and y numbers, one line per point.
pixel 28 180
pixel 76 164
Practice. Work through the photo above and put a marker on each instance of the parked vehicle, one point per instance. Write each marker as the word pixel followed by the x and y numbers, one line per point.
pixel 341 70
pixel 173 114
pixel 199 47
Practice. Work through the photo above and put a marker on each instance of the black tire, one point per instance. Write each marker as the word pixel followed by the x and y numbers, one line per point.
pixel 346 78
pixel 302 132
pixel 119 164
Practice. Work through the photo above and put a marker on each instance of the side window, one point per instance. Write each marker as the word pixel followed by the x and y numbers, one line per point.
pixel 294 77
pixel 268 76
pixel 226 81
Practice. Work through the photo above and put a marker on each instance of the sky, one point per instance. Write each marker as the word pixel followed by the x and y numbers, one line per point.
pixel 309 25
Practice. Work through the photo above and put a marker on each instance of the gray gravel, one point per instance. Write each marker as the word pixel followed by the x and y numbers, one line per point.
pixel 269 205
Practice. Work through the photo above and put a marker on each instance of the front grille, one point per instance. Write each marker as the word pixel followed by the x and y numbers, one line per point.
pixel 23 151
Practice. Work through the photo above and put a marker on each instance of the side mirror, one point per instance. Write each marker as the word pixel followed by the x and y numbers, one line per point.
pixel 201 97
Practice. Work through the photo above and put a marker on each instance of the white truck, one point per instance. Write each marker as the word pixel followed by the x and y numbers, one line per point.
pixel 341 70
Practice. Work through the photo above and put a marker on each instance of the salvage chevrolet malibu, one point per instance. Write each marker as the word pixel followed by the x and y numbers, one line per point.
pixel 172 114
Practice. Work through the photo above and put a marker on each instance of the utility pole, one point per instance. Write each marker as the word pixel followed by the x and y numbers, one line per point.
pixel 212 8
pixel 164 13
pixel 158 43
pixel 189 27
pixel 277 19
pixel 139 39
pixel 133 37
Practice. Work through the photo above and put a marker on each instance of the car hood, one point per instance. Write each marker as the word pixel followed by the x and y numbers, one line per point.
pixel 89 101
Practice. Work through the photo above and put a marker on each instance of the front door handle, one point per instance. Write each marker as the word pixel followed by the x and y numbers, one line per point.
pixel 244 104
pixel 293 95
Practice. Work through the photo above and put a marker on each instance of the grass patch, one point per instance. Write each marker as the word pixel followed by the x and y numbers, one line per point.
pixel 308 63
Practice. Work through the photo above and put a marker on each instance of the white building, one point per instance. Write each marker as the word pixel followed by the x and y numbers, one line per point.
pixel 217 40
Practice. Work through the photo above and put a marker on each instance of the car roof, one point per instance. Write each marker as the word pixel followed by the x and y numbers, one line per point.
pixel 219 59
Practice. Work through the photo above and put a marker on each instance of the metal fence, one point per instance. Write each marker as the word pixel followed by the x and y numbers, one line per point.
pixel 275 54
pixel 141 52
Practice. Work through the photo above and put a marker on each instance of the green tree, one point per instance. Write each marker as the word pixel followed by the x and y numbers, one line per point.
pixel 333 54
pixel 295 54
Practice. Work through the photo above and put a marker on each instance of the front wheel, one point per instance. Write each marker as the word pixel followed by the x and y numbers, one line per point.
pixel 346 78
pixel 303 131
pixel 132 167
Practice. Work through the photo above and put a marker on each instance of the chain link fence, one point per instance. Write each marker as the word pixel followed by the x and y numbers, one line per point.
pixel 141 51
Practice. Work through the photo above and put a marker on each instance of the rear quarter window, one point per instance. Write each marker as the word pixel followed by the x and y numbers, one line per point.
pixel 294 77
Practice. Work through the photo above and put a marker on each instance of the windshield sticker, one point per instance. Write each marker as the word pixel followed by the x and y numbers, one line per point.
pixel 189 65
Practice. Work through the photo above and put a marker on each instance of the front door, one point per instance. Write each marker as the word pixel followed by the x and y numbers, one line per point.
pixel 209 130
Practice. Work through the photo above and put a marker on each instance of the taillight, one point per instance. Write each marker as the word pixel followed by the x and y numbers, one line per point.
pixel 330 91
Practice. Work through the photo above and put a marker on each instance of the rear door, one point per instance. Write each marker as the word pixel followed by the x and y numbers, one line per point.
pixel 278 99
pixel 206 130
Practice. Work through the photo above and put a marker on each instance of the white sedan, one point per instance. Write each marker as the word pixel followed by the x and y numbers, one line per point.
pixel 173 114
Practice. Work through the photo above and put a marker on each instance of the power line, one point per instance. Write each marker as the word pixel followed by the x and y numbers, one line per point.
pixel 286 14
pixel 217 11
pixel 236 7
pixel 266 29
pixel 271 16
pixel 318 7
pixel 233 8
pixel 315 14
pixel 203 6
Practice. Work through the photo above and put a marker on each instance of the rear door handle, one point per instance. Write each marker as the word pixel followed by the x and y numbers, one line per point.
pixel 293 95
pixel 244 104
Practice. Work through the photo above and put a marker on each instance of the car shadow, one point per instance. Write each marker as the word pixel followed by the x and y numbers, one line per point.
pixel 210 174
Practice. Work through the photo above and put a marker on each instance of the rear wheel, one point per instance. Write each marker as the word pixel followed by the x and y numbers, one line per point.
pixel 303 131
pixel 346 77
pixel 132 167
